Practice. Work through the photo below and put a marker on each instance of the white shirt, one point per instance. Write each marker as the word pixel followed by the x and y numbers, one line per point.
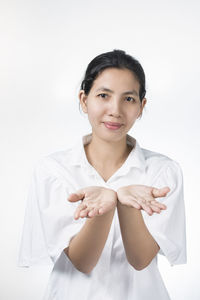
pixel 49 225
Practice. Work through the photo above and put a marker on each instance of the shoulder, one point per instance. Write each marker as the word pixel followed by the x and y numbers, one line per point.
pixel 159 164
pixel 54 163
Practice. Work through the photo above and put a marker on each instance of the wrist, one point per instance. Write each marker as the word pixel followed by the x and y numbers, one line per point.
pixel 116 198
pixel 119 204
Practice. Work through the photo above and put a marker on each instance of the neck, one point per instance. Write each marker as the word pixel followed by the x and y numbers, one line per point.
pixel 105 154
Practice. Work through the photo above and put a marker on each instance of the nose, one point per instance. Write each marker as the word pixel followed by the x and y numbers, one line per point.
pixel 115 107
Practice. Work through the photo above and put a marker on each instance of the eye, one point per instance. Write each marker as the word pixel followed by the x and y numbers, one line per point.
pixel 101 95
pixel 133 100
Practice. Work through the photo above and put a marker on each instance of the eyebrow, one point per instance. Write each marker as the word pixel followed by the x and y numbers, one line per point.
pixel 133 92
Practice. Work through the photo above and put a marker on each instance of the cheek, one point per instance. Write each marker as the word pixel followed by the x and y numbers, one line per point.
pixel 94 113
pixel 133 114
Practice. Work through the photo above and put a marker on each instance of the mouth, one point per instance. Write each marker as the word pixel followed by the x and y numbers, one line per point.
pixel 112 125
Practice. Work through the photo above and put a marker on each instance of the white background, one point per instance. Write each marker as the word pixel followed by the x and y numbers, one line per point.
pixel 45 49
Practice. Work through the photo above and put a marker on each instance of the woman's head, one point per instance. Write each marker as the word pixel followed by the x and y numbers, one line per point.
pixel 113 59
pixel 113 91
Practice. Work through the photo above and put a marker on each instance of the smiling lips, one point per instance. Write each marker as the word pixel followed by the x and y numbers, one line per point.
pixel 112 125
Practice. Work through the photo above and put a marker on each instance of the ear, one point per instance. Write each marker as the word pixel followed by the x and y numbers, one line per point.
pixel 144 101
pixel 83 100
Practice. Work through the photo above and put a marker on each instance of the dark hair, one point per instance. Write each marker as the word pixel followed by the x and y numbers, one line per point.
pixel 113 59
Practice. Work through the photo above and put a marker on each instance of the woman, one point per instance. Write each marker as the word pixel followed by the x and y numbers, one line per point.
pixel 103 209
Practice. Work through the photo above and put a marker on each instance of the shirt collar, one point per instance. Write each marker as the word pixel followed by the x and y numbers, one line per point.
pixel 135 158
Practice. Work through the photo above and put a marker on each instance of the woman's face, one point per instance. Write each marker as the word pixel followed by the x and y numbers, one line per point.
pixel 114 97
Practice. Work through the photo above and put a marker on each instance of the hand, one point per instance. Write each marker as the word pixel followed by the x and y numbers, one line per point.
pixel 96 201
pixel 142 197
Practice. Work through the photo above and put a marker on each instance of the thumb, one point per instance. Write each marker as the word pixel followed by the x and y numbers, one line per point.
pixel 160 192
pixel 73 197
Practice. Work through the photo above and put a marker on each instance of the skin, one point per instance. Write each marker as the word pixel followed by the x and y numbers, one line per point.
pixel 108 150
pixel 142 197
pixel 99 200
pixel 96 201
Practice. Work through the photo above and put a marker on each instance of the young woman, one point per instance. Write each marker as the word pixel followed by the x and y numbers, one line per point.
pixel 103 209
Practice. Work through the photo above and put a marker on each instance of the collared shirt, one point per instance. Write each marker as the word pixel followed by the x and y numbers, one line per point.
pixel 49 225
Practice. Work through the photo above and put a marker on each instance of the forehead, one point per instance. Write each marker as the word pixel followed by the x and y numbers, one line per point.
pixel 114 78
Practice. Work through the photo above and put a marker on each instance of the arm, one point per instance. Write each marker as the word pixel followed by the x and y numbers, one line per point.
pixel 139 245
pixel 86 247
pixel 98 205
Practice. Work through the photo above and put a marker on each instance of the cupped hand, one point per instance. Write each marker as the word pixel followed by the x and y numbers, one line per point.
pixel 96 201
pixel 142 197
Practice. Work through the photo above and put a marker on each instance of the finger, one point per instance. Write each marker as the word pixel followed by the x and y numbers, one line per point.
pixel 76 197
pixel 148 209
pixel 101 211
pixel 136 205
pixel 130 199
pixel 78 210
pixel 142 205
pixel 155 208
pixel 84 213
pixel 158 204
pixel 160 192
pixel 146 206
pixel 93 212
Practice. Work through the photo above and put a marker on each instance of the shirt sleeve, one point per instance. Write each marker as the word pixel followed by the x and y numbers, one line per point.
pixel 49 223
pixel 169 227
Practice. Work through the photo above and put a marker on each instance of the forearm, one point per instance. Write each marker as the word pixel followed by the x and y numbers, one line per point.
pixel 140 246
pixel 86 247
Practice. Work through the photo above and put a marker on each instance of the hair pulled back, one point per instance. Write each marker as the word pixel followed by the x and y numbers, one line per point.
pixel 113 59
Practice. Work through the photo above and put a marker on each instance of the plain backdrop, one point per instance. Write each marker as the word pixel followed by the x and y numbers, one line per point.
pixel 45 49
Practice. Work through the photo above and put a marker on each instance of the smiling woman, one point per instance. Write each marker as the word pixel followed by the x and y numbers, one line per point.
pixel 112 108
pixel 105 207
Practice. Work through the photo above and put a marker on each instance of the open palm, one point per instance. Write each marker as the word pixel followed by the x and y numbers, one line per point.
pixel 142 197
pixel 96 201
